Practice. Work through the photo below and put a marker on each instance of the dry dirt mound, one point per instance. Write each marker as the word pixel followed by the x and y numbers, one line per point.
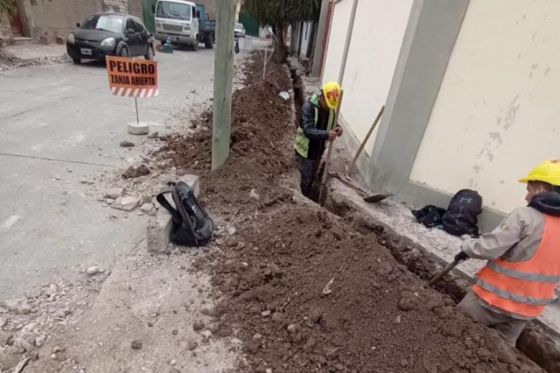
pixel 302 289
pixel 375 316
pixel 259 150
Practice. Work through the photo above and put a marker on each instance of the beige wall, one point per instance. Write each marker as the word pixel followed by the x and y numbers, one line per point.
pixel 337 36
pixel 60 16
pixel 5 29
pixel 377 36
pixel 496 115
pixel 135 8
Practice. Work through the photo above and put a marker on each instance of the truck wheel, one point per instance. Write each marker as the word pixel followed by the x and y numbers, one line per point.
pixel 208 42
pixel 194 45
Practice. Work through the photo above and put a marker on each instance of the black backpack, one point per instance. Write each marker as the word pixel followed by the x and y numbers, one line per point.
pixel 430 215
pixel 191 224
pixel 462 214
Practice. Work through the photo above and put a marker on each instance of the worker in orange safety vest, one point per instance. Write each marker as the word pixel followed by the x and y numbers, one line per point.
pixel 523 255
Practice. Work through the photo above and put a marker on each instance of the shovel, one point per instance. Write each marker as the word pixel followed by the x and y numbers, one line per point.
pixel 444 271
pixel 363 144
pixel 377 198
pixel 323 185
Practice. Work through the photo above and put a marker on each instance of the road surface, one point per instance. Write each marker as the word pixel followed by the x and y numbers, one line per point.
pixel 60 127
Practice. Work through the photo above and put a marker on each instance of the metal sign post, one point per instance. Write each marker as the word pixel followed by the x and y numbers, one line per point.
pixel 136 105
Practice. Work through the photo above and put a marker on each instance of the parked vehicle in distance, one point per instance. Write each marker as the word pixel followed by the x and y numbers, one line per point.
pixel 184 23
pixel 109 34
pixel 239 30
pixel 207 27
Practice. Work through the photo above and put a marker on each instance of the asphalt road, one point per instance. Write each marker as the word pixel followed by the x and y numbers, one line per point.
pixel 59 126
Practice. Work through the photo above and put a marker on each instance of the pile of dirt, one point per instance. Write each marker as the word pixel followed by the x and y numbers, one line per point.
pixel 261 131
pixel 302 289
pixel 311 294
pixel 134 172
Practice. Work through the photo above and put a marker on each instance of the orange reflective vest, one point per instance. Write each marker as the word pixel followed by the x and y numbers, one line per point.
pixel 524 288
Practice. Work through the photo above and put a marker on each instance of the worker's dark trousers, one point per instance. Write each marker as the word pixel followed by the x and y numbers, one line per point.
pixel 506 326
pixel 308 169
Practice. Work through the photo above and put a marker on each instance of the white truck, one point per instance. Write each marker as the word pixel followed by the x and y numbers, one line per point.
pixel 179 21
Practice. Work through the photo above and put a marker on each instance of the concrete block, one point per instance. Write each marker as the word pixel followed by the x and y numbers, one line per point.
pixel 194 182
pixel 138 128
pixel 159 228
pixel 158 232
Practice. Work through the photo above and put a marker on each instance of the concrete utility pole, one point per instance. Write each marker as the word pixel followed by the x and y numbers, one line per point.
pixel 223 81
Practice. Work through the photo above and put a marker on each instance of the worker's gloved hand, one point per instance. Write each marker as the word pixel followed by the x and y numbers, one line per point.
pixel 338 131
pixel 461 256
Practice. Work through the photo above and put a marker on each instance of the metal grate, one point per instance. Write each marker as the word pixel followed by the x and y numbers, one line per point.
pixel 175 28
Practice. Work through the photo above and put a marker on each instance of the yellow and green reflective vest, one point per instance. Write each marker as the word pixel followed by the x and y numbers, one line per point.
pixel 301 144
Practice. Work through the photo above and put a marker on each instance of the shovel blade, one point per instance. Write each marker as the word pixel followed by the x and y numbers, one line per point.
pixel 376 198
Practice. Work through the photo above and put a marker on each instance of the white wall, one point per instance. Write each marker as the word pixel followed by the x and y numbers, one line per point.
pixel 337 37
pixel 497 112
pixel 377 37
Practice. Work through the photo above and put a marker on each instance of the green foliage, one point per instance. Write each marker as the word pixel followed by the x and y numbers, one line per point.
pixel 6 6
pixel 282 12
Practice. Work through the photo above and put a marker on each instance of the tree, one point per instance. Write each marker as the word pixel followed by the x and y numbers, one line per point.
pixel 6 7
pixel 280 13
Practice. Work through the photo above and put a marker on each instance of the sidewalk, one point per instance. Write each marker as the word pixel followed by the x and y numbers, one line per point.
pixel 31 54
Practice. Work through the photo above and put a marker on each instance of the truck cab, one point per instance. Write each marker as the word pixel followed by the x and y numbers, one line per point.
pixel 177 20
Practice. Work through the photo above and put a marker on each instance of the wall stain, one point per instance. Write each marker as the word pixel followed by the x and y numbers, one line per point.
pixel 546 71
pixel 477 168
pixel 511 114
pixel 533 69
pixel 496 136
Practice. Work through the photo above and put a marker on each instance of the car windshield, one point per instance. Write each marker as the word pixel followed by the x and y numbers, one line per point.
pixel 104 23
pixel 239 26
pixel 167 9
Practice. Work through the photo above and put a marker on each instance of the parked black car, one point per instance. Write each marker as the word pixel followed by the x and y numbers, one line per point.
pixel 109 34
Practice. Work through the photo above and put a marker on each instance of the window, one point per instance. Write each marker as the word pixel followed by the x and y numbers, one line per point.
pixel 104 23
pixel 130 25
pixel 139 26
pixel 166 9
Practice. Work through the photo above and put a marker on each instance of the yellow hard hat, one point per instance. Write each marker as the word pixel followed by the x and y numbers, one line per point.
pixel 547 172
pixel 331 93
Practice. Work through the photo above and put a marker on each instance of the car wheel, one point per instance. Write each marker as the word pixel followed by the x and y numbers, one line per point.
pixel 76 60
pixel 149 53
pixel 123 52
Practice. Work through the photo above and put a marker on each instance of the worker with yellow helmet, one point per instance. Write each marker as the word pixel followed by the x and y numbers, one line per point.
pixel 315 128
pixel 523 254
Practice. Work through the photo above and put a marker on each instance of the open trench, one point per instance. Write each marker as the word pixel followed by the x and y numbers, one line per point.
pixel 537 342
pixel 310 289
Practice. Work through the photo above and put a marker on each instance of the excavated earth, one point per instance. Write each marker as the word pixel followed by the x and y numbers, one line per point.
pixel 302 289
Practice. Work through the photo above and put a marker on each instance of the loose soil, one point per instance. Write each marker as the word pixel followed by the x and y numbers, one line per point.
pixel 302 289
pixel 134 172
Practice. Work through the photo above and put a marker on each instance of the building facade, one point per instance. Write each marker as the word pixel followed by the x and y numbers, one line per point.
pixel 468 89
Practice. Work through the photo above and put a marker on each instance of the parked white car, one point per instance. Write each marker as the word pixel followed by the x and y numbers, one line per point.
pixel 239 30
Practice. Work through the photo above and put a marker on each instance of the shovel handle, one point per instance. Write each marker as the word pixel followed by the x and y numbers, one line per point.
pixel 444 271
